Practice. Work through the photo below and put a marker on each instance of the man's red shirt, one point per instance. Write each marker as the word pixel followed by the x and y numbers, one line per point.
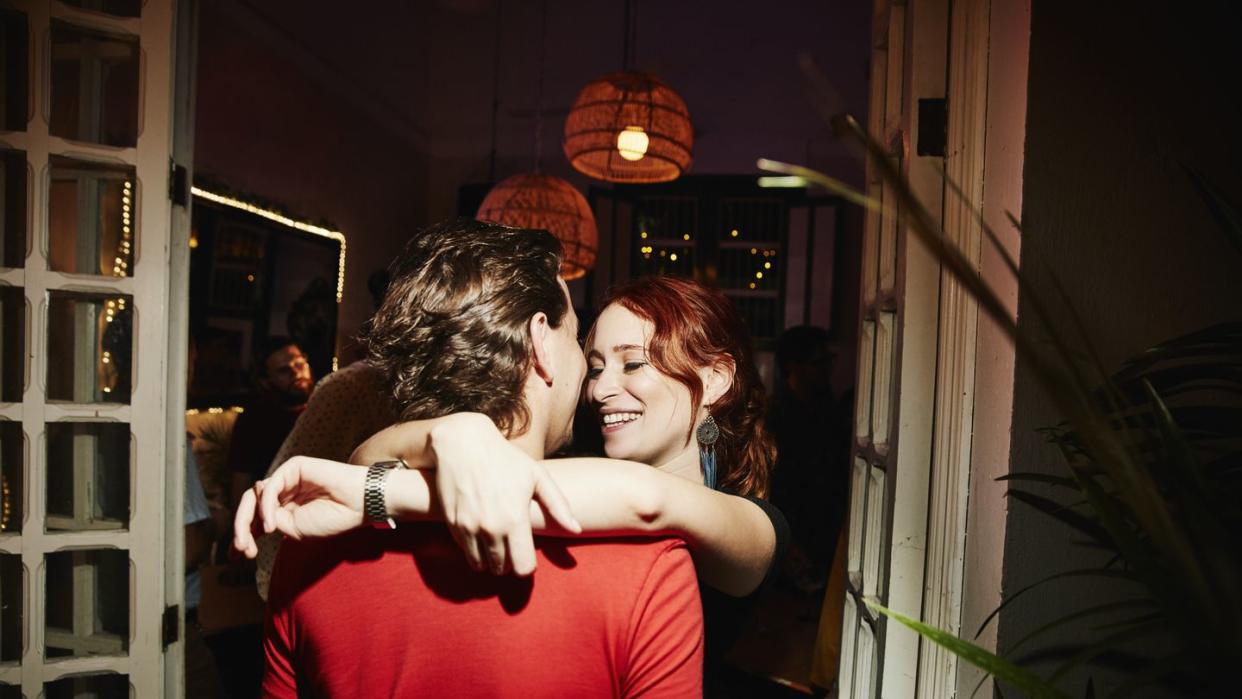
pixel 376 613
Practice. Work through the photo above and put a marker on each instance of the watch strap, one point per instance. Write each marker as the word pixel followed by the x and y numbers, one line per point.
pixel 374 503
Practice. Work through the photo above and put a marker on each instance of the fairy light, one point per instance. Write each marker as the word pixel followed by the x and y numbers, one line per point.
pixel 214 411
pixel 285 221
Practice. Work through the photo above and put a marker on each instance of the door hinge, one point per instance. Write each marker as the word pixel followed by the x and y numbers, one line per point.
pixel 179 185
pixel 933 127
pixel 172 625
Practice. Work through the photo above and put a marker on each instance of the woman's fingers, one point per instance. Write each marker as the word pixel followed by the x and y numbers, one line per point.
pixel 522 550
pixel 243 538
pixel 554 501
pixel 269 493
pixel 495 553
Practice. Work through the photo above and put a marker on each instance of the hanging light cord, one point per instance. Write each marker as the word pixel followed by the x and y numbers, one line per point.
pixel 543 34
pixel 491 165
pixel 629 41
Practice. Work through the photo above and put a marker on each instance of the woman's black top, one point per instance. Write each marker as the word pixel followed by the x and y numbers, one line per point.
pixel 723 615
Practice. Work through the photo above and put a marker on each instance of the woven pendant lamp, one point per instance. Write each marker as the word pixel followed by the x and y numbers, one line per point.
pixel 536 200
pixel 629 127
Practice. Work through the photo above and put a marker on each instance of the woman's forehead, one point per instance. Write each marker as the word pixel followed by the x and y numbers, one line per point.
pixel 619 327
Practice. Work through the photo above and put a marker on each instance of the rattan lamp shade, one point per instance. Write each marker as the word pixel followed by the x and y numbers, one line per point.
pixel 629 101
pixel 534 200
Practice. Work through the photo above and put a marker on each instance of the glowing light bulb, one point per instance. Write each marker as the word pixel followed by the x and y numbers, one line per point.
pixel 632 143
pixel 673 257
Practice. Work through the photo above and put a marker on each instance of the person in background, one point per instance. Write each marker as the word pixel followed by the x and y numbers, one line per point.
pixel 285 383
pixel 809 482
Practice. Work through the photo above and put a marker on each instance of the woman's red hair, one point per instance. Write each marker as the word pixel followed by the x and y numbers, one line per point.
pixel 694 327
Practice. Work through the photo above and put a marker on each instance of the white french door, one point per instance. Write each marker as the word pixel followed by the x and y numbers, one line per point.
pixel 919 340
pixel 92 268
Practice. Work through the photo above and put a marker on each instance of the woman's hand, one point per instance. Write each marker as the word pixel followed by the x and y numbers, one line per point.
pixel 304 497
pixel 486 487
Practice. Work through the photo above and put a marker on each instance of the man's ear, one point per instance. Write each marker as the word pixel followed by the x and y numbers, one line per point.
pixel 541 343
pixel 717 380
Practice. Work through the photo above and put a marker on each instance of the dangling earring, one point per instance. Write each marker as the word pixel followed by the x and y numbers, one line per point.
pixel 708 432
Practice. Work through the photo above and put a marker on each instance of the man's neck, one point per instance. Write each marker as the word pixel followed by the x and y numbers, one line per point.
pixel 531 442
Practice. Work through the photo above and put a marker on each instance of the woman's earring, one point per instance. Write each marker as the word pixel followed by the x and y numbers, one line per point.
pixel 707 433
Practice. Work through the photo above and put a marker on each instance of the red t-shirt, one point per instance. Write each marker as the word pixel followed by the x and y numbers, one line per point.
pixel 381 613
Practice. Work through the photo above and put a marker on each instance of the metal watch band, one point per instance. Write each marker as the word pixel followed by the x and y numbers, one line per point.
pixel 374 506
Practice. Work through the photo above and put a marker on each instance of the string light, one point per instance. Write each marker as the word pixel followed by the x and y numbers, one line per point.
pixel 284 220
pixel 214 411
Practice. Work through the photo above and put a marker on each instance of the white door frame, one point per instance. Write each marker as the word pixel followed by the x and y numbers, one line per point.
pixel 156 471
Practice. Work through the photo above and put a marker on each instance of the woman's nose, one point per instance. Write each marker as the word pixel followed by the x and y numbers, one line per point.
pixel 603 386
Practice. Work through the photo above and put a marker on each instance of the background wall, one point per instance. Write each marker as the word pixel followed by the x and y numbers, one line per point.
pixel 1118 100
pixel 373 119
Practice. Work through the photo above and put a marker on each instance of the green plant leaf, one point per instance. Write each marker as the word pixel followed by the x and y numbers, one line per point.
pixel 1045 478
pixel 1107 643
pixel 1079 573
pixel 1226 214
pixel 989 662
pixel 1080 614
pixel 1062 513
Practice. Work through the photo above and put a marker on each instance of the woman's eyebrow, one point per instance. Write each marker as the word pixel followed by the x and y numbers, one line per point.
pixel 617 349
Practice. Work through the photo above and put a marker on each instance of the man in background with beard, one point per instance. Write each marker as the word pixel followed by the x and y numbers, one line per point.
pixel 285 383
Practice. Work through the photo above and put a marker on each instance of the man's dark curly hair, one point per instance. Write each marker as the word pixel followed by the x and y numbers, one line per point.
pixel 452 334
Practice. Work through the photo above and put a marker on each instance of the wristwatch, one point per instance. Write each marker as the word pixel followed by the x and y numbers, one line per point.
pixel 374 507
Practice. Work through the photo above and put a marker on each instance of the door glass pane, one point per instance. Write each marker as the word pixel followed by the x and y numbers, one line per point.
pixel 10 608
pixel 120 8
pixel 108 686
pixel 12 344
pixel 94 86
pixel 14 70
pixel 87 603
pixel 88 465
pixel 12 454
pixel 90 345
pixel 12 208
pixel 882 392
pixel 91 217
pixel 873 548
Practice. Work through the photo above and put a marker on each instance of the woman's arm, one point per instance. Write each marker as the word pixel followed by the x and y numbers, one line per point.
pixel 732 540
